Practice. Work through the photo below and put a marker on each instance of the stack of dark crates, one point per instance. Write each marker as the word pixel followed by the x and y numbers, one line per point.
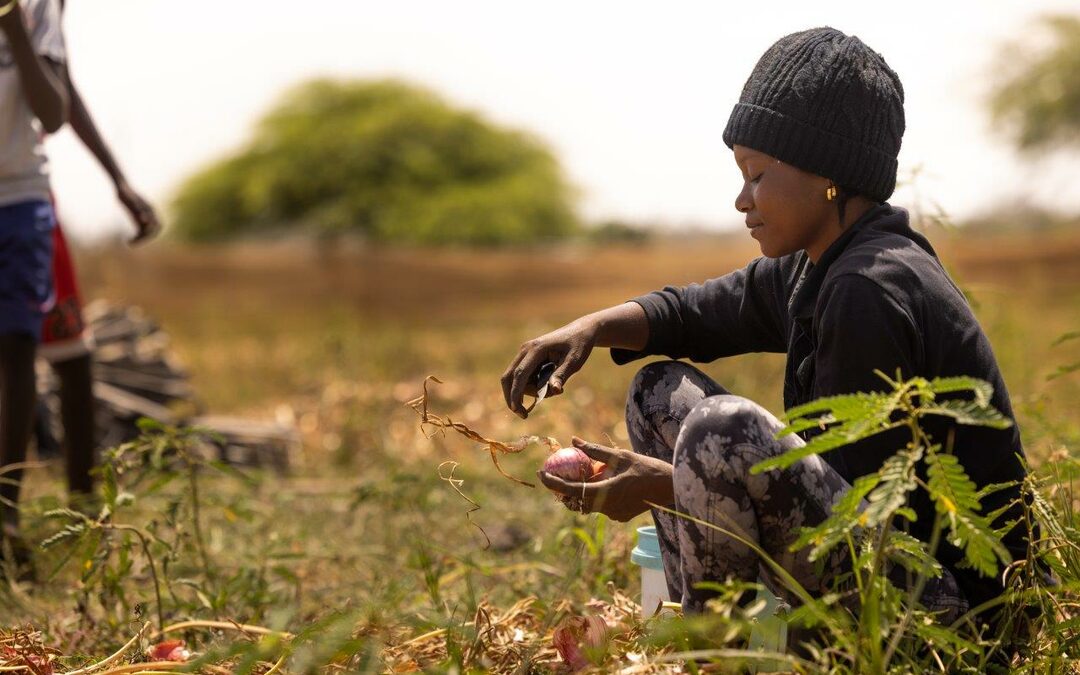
pixel 136 375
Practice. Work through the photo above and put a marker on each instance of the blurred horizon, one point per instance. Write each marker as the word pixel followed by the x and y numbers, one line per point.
pixel 632 102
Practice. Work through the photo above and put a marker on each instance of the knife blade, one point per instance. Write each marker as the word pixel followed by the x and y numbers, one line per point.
pixel 540 381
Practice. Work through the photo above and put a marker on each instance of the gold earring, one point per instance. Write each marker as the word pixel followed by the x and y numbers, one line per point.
pixel 830 193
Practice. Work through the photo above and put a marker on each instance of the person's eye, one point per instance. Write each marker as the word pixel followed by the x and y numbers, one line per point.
pixel 757 178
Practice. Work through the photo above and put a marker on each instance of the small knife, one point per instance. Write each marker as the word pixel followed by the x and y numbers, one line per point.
pixel 540 380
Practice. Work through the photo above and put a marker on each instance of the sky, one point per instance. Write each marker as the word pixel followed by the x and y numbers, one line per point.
pixel 631 96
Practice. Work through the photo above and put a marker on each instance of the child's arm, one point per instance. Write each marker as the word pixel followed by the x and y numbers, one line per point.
pixel 43 81
pixel 84 127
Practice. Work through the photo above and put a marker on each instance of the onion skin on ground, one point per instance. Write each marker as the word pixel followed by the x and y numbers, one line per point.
pixel 581 641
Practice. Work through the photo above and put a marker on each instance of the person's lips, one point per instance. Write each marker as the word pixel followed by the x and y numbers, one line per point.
pixel 753 225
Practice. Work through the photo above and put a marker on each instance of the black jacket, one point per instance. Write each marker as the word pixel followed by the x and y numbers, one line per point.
pixel 878 299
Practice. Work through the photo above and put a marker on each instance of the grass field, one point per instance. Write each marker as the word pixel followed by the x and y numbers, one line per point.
pixel 336 339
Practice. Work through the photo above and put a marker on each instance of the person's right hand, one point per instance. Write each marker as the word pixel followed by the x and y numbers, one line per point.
pixel 567 347
pixel 146 221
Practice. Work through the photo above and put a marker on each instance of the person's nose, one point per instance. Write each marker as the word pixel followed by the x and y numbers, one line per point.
pixel 743 202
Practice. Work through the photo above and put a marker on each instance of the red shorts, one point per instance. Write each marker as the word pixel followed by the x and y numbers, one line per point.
pixel 64 335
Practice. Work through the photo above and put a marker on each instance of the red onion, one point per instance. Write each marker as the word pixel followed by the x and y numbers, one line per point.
pixel 581 641
pixel 569 464
pixel 169 650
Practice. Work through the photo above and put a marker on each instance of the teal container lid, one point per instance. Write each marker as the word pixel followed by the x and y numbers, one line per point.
pixel 647 551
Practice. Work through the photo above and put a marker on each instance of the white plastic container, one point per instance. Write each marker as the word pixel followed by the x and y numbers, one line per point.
pixel 769 635
pixel 647 556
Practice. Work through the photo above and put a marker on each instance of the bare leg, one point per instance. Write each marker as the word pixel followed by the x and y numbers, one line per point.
pixel 18 395
pixel 77 413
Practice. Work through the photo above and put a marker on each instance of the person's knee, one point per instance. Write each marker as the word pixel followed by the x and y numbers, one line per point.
pixel 742 419
pixel 738 424
pixel 721 414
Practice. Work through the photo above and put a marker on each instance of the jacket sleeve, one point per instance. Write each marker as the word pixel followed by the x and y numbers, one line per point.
pixel 740 312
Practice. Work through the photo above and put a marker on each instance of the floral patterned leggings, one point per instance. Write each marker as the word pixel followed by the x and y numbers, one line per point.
pixel 676 413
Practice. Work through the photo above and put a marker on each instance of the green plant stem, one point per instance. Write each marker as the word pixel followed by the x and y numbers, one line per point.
pixel 839 631
pixel 875 571
pixel 915 594
pixel 873 640
pixel 150 562
pixel 114 657
pixel 195 522
pixel 919 438
pixel 854 554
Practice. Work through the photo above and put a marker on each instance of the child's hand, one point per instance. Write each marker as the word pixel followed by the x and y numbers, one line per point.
pixel 140 211
pixel 626 484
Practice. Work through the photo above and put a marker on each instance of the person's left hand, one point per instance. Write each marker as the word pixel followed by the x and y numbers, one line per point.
pixel 628 481
pixel 146 221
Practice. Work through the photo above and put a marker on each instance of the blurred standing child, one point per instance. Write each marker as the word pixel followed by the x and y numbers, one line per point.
pixel 66 342
pixel 33 98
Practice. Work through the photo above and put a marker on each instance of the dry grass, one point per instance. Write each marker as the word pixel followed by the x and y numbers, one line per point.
pixel 339 339
pixel 281 323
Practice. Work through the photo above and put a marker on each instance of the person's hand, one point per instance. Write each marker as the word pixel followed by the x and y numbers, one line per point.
pixel 628 481
pixel 567 347
pixel 146 221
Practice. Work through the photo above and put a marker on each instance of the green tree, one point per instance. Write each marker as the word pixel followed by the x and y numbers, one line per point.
pixel 1037 98
pixel 384 159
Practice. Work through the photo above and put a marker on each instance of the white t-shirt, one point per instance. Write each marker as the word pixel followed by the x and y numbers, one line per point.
pixel 24 173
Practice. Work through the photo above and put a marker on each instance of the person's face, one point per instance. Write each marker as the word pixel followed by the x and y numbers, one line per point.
pixel 785 207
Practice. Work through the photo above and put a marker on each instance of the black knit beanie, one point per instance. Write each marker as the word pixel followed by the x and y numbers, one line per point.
pixel 826 103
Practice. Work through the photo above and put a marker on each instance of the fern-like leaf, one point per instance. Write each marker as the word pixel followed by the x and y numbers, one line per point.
pixel 1045 513
pixel 897 479
pixel 72 531
pixel 842 408
pixel 845 419
pixel 956 499
pixel 911 554
pixel 971 413
pixel 991 488
pixel 799 425
pixel 982 389
pixel 836 437
pixel 934 635
pixel 949 481
pixel 70 514
pixel 844 518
